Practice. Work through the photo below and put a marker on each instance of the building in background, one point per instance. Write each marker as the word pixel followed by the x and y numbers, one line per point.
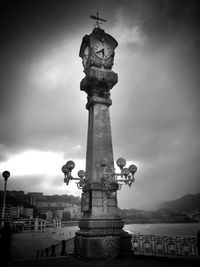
pixel 24 209
pixel 7 213
pixel 29 225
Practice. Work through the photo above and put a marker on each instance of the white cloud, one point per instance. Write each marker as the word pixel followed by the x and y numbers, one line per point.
pixel 33 162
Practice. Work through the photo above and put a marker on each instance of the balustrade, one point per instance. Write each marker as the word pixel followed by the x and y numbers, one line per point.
pixel 149 245
pixel 155 245
pixel 63 248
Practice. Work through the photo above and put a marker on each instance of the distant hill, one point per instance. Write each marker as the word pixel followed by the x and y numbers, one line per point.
pixel 18 198
pixel 61 198
pixel 14 198
pixel 158 216
pixel 185 203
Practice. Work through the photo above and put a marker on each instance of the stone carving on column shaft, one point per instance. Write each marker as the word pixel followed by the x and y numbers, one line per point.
pixel 101 233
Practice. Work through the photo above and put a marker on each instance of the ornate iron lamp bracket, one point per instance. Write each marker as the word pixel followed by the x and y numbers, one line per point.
pixel 126 175
pixel 67 170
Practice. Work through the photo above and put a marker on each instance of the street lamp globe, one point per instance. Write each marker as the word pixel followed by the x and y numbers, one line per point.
pixel 121 162
pixel 70 165
pixel 6 175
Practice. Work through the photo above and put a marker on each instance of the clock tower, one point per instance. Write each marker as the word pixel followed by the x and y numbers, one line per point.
pixel 97 50
pixel 101 234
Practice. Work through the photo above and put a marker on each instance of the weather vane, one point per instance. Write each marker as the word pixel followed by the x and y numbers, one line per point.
pixel 97 24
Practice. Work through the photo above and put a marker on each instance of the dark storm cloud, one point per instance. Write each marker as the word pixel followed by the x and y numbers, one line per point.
pixel 155 111
pixel 28 30
pixel 159 120
pixel 163 21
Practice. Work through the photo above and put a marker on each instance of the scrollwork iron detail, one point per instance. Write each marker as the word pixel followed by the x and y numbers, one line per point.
pixel 126 175
pixel 67 170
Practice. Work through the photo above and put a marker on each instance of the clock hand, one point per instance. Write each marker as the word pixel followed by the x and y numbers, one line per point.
pixel 101 51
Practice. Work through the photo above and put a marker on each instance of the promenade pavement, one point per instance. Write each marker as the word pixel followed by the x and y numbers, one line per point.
pixel 131 262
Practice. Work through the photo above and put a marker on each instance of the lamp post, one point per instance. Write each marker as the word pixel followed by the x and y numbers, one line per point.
pixel 6 175
pixel 100 234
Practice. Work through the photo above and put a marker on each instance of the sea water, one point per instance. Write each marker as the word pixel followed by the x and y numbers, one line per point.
pixel 169 229
pixel 25 245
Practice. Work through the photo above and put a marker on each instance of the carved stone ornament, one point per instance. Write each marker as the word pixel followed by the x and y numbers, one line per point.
pixel 110 247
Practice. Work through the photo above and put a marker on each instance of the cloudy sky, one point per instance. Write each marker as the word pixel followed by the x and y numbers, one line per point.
pixel 155 112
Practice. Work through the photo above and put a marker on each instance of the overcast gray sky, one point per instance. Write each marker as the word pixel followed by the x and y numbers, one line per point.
pixel 155 112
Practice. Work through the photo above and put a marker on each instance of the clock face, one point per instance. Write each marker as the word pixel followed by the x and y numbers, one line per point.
pixel 103 50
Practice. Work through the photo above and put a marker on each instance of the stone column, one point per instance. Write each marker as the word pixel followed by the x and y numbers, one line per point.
pixel 100 235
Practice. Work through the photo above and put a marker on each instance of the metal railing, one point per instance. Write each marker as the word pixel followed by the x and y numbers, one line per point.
pixel 63 248
pixel 147 245
pixel 169 246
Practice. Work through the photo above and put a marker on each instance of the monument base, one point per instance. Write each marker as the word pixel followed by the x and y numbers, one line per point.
pixel 102 247
pixel 101 234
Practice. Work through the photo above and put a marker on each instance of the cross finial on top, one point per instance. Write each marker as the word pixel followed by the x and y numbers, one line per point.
pixel 97 24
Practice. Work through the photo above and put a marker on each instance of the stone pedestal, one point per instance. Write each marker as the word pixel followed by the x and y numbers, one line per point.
pixel 106 247
pixel 101 234
pixel 99 245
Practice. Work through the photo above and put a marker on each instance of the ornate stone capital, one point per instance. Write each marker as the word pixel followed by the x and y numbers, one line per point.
pixel 98 82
